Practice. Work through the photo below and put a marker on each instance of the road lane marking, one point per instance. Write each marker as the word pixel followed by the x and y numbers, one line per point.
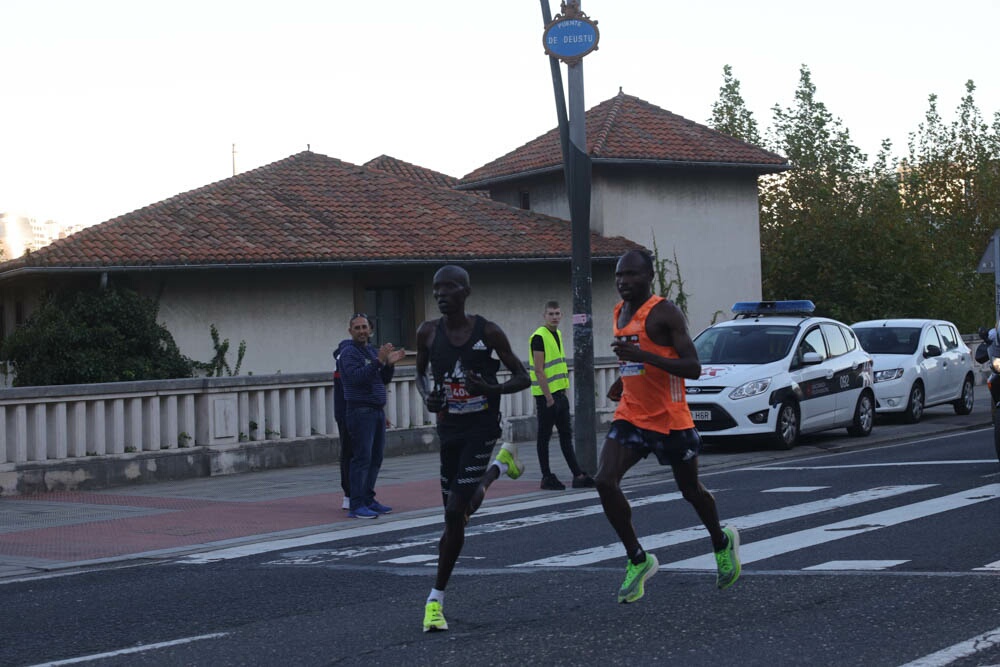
pixel 751 552
pixel 852 565
pixel 946 656
pixel 409 560
pixel 876 465
pixel 795 489
pixel 292 543
pixel 132 649
pixel 328 555
pixel 650 542
pixel 990 567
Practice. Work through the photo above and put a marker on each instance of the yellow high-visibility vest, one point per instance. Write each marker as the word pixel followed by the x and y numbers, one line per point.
pixel 556 370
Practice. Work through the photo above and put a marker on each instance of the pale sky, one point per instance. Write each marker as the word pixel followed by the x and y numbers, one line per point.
pixel 111 105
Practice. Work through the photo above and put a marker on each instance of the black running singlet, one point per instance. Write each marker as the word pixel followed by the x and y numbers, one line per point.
pixel 467 415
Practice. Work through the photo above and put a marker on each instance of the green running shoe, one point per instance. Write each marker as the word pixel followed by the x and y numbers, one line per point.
pixel 635 576
pixel 728 560
pixel 434 617
pixel 508 455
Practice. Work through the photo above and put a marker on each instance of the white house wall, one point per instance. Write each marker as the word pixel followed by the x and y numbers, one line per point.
pixel 291 320
pixel 710 221
pixel 709 218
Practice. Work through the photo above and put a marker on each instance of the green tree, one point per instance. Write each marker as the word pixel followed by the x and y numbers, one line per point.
pixel 811 222
pixel 93 336
pixel 951 194
pixel 893 239
pixel 730 114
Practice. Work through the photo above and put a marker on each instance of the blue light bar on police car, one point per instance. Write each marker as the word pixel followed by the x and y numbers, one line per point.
pixel 799 307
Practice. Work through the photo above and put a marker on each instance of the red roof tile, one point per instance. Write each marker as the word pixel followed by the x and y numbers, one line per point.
pixel 416 173
pixel 310 208
pixel 411 172
pixel 626 129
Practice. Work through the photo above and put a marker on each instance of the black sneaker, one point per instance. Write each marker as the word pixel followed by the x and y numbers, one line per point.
pixel 551 483
pixel 584 481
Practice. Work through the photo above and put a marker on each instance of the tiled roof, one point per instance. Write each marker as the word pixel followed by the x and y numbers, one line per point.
pixel 411 172
pixel 626 129
pixel 416 173
pixel 309 208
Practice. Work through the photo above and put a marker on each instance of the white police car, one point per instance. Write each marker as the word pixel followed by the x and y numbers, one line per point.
pixel 777 371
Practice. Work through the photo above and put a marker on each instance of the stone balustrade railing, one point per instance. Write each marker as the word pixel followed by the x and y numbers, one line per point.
pixel 55 423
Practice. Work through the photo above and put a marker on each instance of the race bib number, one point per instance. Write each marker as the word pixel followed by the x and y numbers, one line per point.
pixel 460 402
pixel 630 368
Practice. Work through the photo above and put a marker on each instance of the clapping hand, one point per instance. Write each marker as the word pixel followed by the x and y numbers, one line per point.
pixel 389 355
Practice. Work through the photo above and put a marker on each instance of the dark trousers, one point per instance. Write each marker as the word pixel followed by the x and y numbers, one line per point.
pixel 345 456
pixel 367 427
pixel 558 416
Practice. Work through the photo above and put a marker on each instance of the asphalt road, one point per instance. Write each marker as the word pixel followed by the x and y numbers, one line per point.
pixel 882 555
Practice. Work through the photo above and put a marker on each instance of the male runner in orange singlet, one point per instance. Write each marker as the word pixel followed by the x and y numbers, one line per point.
pixel 655 354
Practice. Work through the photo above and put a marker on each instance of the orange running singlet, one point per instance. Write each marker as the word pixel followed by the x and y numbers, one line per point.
pixel 652 398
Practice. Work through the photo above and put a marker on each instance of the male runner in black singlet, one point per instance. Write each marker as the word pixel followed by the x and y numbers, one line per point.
pixel 466 398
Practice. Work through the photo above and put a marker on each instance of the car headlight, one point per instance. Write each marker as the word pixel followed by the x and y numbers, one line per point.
pixel 751 388
pixel 891 374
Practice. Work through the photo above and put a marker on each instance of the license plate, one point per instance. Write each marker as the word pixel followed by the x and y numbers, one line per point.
pixel 701 415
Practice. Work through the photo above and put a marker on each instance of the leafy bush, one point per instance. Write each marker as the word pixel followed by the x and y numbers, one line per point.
pixel 93 336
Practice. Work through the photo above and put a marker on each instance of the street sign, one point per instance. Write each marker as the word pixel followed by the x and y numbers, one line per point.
pixel 571 35
pixel 990 263
pixel 986 262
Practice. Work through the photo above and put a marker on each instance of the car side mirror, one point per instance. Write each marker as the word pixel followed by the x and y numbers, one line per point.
pixel 811 359
pixel 932 351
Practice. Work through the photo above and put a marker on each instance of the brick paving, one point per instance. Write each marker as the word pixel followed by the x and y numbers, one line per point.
pixel 62 530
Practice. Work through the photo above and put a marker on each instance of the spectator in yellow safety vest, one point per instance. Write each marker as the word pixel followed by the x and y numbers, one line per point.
pixel 549 382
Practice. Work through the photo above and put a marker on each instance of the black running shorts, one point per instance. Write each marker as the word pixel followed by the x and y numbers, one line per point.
pixel 463 464
pixel 676 447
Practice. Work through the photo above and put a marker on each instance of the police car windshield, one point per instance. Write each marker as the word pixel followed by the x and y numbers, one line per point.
pixel 745 344
pixel 889 340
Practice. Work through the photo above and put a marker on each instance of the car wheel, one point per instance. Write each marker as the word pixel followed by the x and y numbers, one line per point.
pixel 915 406
pixel 864 416
pixel 786 432
pixel 963 405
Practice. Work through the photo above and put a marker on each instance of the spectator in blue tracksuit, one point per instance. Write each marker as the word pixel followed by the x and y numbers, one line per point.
pixel 364 372
pixel 340 415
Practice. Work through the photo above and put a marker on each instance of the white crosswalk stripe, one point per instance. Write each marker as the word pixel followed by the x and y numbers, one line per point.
pixel 650 542
pixel 776 546
pixel 315 557
pixel 422 548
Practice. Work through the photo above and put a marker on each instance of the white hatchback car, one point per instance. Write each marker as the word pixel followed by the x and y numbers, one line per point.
pixel 777 371
pixel 918 363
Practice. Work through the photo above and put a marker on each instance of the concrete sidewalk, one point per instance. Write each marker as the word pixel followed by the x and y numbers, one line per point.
pixel 67 531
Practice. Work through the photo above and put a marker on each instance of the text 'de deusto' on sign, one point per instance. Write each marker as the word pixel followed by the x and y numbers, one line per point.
pixel 571 35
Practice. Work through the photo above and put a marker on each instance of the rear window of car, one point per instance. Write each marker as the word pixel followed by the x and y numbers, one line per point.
pixel 834 339
pixel 948 336
pixel 889 340
pixel 745 344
